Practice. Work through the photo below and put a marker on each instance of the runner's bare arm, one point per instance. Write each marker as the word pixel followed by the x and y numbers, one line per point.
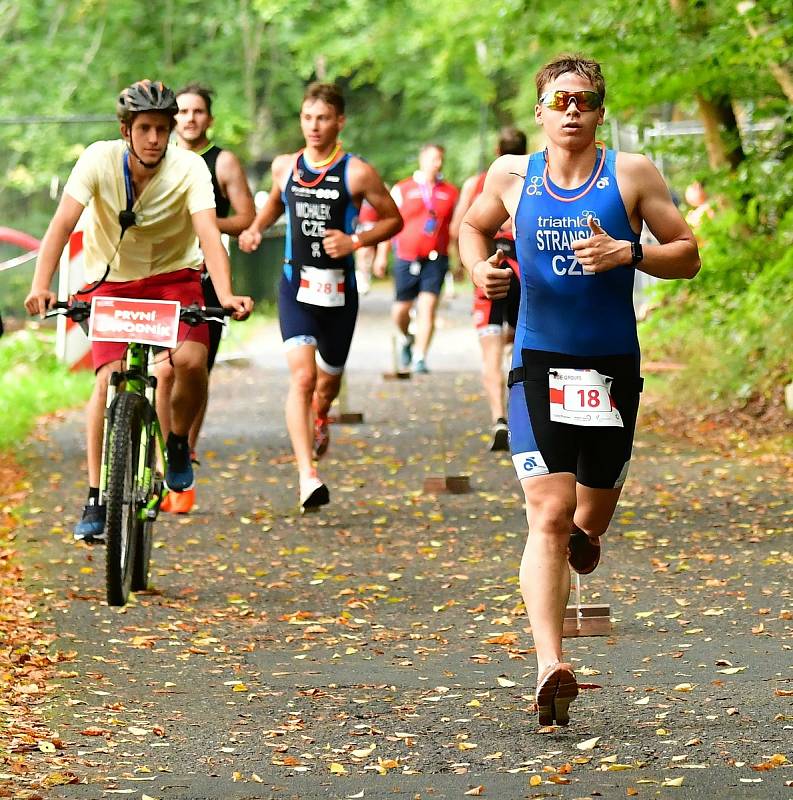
pixel 272 209
pixel 648 197
pixel 677 255
pixel 380 263
pixel 480 224
pixel 381 256
pixel 234 183
pixel 367 184
pixel 463 204
pixel 60 228
pixel 217 263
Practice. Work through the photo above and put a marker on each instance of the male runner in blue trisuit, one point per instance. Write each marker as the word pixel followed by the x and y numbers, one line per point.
pixel 321 189
pixel 578 210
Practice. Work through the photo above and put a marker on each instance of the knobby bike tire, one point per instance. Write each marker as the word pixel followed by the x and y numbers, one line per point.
pixel 121 496
pixel 144 528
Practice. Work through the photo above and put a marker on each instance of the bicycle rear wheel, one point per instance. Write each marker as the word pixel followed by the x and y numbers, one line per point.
pixel 121 495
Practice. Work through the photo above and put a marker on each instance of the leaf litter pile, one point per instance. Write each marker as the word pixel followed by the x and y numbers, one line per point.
pixel 380 647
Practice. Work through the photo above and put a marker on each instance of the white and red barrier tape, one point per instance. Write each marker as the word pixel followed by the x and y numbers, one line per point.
pixel 71 344
pixel 17 261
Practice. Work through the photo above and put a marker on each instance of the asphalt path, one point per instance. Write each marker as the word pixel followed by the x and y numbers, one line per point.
pixel 379 648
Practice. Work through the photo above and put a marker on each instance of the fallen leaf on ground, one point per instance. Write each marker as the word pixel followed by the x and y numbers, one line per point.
pixel 589 744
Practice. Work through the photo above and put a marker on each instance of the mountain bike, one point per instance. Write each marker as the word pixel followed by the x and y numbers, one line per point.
pixel 131 484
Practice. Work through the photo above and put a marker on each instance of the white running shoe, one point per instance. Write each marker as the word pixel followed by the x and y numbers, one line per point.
pixel 313 493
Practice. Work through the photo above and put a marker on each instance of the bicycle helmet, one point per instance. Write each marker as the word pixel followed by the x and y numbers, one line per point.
pixel 146 95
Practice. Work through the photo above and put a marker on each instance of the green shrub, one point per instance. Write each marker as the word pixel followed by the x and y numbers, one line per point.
pixel 732 326
pixel 32 383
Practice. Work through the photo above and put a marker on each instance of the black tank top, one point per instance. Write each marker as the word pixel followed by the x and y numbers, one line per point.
pixel 222 203
pixel 315 208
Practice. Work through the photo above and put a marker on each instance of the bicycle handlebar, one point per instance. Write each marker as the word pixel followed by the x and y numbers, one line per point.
pixel 79 310
pixel 195 315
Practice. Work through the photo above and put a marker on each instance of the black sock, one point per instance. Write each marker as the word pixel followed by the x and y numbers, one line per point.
pixel 176 441
pixel 93 496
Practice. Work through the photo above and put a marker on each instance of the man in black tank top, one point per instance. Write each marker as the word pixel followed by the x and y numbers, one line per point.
pixel 234 209
pixel 495 320
pixel 321 189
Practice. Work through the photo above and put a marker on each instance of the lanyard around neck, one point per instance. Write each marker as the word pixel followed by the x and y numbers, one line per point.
pixel 128 182
pixel 428 196
pixel 327 166
pixel 126 218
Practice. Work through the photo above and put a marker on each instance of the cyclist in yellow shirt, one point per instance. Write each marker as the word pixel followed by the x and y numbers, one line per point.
pixel 148 203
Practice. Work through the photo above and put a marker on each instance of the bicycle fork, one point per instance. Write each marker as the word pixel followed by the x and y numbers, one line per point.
pixel 152 493
pixel 112 391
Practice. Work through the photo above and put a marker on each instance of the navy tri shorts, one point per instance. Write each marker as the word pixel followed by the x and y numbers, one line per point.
pixel 330 330
pixel 421 275
pixel 599 457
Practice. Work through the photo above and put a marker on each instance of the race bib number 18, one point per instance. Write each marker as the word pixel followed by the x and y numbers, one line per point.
pixel 321 287
pixel 582 397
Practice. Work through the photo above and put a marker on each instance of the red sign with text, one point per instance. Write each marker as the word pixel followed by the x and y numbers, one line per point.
pixel 124 319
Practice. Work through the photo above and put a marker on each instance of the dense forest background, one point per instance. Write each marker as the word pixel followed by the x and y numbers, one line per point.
pixel 705 88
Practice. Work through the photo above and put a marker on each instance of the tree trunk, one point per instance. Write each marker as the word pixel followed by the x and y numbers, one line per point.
pixel 781 74
pixel 722 136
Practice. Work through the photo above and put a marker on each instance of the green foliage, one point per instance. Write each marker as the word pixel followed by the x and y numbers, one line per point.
pixel 733 324
pixel 33 383
pixel 452 72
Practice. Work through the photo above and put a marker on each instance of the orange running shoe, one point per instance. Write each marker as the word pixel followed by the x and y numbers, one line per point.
pixel 179 502
pixel 556 689
pixel 583 553
pixel 321 436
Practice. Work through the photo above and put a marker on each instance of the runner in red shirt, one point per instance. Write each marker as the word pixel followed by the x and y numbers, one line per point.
pixel 495 320
pixel 426 203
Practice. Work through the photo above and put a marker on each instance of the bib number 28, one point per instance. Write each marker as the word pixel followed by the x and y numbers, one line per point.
pixel 321 287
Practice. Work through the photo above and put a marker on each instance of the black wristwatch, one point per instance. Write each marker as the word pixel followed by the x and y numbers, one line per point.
pixel 637 253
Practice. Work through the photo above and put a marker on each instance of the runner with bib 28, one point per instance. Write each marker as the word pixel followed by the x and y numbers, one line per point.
pixel 321 188
pixel 578 210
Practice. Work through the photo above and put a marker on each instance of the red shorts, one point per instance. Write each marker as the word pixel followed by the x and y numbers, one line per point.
pixel 490 316
pixel 183 285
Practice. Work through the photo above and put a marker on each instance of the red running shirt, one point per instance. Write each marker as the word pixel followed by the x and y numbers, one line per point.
pixel 427 212
pixel 367 215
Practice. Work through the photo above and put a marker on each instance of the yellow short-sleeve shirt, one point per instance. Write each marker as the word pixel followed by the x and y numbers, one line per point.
pixel 162 239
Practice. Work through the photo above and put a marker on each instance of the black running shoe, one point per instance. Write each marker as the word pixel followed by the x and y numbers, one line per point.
pixel 500 432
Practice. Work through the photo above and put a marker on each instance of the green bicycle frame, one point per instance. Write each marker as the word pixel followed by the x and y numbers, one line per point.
pixel 135 378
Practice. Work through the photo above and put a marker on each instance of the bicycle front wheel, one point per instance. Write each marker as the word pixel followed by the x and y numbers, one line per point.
pixel 144 528
pixel 121 495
